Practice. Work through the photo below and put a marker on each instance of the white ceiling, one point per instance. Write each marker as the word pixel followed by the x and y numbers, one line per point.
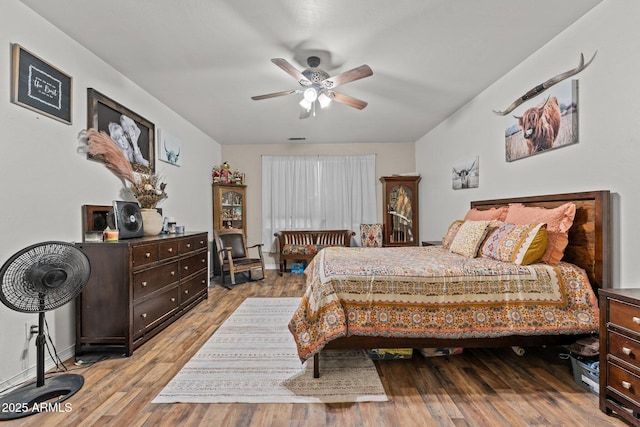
pixel 206 58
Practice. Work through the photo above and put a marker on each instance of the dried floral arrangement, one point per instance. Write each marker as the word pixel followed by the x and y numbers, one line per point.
pixel 146 186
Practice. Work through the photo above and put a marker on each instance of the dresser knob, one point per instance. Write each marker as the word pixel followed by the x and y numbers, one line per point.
pixel 186 267
pixel 170 250
pixel 188 245
pixel 144 284
pixel 626 385
pixel 143 315
pixel 173 273
pixel 186 291
pixel 147 255
pixel 202 242
pixel 173 300
pixel 626 351
pixel 636 320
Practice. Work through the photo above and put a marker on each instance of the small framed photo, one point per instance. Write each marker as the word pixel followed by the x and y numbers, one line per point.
pixel 169 148
pixel 39 86
pixel 134 134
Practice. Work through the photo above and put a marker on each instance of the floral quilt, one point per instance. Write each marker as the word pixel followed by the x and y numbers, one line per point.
pixel 429 292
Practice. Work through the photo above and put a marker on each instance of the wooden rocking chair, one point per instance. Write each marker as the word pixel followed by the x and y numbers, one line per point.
pixel 233 254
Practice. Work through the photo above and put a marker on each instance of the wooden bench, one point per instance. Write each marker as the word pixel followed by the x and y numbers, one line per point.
pixel 305 244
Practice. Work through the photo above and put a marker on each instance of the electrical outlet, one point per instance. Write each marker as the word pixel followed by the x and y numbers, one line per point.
pixel 30 331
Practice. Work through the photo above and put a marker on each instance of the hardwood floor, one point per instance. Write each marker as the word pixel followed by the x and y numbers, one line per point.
pixel 481 387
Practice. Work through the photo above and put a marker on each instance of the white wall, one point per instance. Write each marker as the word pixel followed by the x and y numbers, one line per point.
pixel 606 157
pixel 45 181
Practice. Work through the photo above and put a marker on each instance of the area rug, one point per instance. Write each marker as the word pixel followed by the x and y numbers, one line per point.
pixel 252 358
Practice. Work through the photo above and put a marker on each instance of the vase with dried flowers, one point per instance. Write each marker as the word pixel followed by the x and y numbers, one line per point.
pixel 146 186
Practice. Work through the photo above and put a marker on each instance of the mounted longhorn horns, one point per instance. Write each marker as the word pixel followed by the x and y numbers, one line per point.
pixel 546 85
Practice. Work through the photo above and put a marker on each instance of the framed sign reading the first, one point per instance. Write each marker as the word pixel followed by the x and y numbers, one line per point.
pixel 39 86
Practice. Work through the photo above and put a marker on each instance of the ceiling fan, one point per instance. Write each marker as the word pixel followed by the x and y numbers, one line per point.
pixel 318 87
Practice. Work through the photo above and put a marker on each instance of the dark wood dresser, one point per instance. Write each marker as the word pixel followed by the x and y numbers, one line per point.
pixel 620 353
pixel 138 287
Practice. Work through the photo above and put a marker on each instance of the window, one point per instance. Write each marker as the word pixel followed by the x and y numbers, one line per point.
pixel 317 193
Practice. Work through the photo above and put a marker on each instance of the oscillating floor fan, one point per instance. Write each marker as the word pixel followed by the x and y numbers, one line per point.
pixel 40 278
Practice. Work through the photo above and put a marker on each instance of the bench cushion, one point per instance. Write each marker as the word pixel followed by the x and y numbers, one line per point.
pixel 301 249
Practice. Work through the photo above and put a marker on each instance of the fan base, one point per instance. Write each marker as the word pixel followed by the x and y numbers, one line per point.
pixel 31 399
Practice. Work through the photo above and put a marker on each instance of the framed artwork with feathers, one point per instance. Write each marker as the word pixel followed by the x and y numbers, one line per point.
pixel 133 134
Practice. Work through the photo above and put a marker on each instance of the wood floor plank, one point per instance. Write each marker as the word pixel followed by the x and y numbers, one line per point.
pixel 480 387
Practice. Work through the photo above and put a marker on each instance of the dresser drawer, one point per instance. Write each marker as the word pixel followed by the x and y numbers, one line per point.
pixel 168 249
pixel 624 348
pixel 624 382
pixel 193 264
pixel 625 315
pixel 153 311
pixel 149 281
pixel 145 254
pixel 186 245
pixel 201 242
pixel 193 287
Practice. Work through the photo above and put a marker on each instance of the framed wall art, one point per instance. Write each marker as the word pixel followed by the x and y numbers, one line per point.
pixel 169 148
pixel 39 86
pixel 134 134
pixel 466 173
pixel 547 122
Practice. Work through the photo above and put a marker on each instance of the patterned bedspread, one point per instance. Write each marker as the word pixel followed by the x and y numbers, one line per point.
pixel 429 292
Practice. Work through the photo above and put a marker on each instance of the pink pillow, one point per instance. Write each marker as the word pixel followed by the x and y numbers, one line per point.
pixel 487 214
pixel 559 220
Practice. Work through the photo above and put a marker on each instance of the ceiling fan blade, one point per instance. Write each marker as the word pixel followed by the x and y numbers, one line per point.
pixel 292 71
pixel 347 100
pixel 273 95
pixel 348 76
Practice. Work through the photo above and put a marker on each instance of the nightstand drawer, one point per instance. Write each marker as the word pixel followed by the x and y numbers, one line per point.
pixel 624 348
pixel 624 315
pixel 624 382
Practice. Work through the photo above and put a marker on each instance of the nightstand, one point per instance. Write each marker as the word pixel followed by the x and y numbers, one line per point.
pixel 620 353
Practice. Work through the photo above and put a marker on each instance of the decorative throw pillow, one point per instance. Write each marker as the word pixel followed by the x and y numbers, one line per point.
pixel 451 233
pixel 488 214
pixel 559 220
pixel 519 244
pixel 371 235
pixel 469 237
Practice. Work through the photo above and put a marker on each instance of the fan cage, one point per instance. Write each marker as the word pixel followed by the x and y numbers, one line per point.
pixel 21 291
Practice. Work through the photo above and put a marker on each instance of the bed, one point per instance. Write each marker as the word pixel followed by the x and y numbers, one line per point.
pixel 417 297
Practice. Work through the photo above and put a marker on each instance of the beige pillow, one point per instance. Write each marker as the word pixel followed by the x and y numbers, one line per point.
pixel 469 237
pixel 451 233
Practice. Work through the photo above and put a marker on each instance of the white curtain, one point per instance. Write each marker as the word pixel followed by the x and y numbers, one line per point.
pixel 317 193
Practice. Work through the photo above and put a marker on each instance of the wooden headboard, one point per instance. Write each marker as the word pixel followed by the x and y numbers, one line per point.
pixel 589 237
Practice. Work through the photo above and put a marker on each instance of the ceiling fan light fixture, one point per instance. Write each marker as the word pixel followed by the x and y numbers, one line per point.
pixel 310 94
pixel 305 104
pixel 324 100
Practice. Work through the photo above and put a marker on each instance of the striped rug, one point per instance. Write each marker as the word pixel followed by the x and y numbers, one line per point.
pixel 252 358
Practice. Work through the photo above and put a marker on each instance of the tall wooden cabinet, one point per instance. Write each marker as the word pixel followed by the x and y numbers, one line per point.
pixel 229 210
pixel 138 287
pixel 229 206
pixel 400 210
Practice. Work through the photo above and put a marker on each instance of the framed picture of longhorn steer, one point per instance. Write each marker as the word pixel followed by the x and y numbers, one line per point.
pixel 545 122
pixel 170 148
